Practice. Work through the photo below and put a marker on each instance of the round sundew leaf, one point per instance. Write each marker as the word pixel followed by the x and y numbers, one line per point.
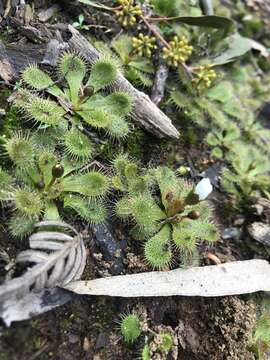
pixel 77 145
pixel 123 208
pixel 20 150
pixel 119 164
pixel 118 103
pixel 22 99
pixel 118 128
pixel 71 65
pixel 46 160
pixel 166 344
pixel 36 78
pixel 28 202
pixel 20 226
pixel 6 182
pixel 103 73
pixel 206 231
pixel 130 328
pixel 146 354
pixel 90 210
pixel 92 184
pixel 184 235
pixel 157 250
pixel 45 111
pixel 95 118
pixel 73 69
pixel 146 213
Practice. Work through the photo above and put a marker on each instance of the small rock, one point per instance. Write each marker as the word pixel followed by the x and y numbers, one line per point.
pixel 101 341
pixel 239 220
pixel 86 344
pixel 230 233
pixel 260 232
pixel 259 209
pixel 111 249
pixel 213 173
pixel 73 339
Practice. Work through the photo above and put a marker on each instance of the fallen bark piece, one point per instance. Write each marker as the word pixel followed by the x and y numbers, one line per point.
pixel 233 278
pixel 145 112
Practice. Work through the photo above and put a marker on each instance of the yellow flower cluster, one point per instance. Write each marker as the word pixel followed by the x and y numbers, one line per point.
pixel 204 76
pixel 143 45
pixel 127 15
pixel 178 51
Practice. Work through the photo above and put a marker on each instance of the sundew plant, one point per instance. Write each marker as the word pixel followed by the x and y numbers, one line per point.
pixel 75 100
pixel 43 183
pixel 167 212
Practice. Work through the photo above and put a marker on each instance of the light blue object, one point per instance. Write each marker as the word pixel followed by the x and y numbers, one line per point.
pixel 204 188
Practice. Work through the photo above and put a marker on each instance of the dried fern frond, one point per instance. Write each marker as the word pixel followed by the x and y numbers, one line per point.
pixel 59 258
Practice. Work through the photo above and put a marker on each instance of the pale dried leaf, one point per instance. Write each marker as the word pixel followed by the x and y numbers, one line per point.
pixel 234 278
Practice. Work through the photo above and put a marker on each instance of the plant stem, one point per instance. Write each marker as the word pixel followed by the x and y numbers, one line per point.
pixel 51 183
pixel 154 31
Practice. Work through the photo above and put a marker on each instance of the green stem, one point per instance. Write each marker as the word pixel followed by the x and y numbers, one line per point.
pixel 51 183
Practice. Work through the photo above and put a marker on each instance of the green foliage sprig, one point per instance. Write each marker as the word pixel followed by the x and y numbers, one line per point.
pixel 137 69
pixel 261 337
pixel 248 174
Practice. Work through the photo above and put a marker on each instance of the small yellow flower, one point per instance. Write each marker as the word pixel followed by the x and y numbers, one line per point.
pixel 204 76
pixel 178 51
pixel 143 45
pixel 127 15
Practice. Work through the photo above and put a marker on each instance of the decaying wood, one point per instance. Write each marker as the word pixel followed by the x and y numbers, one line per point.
pixel 145 112
pixel 234 278
pixel 17 56
pixel 54 49
pixel 6 71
